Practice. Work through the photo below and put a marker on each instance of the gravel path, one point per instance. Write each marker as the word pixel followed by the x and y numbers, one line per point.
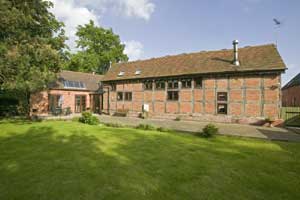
pixel 274 133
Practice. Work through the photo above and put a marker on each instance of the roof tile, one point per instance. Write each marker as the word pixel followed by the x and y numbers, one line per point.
pixel 256 58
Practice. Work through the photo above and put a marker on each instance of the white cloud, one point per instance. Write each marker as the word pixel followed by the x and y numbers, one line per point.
pixel 132 8
pixel 72 15
pixel 138 8
pixel 292 71
pixel 79 12
pixel 133 49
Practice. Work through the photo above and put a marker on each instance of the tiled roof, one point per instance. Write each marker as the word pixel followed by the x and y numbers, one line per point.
pixel 90 81
pixel 294 82
pixel 256 58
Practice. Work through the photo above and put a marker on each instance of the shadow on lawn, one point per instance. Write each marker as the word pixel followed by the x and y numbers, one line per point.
pixel 42 164
pixel 283 135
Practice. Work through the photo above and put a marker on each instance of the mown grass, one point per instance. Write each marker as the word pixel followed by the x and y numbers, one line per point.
pixel 70 160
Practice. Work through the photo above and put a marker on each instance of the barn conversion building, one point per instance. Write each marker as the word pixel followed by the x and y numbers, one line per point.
pixel 239 85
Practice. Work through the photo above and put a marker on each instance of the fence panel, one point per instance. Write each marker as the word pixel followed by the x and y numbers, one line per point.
pixel 291 115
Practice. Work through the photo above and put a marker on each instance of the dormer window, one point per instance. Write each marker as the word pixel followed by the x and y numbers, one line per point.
pixel 121 73
pixel 138 72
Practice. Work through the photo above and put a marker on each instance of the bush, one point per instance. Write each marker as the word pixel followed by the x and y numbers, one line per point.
pixel 88 118
pixel 209 130
pixel 115 125
pixel 177 118
pixel 36 118
pixel 75 119
pixel 162 129
pixel 145 127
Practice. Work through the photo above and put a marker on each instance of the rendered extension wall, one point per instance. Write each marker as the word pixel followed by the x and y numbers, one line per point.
pixel 248 97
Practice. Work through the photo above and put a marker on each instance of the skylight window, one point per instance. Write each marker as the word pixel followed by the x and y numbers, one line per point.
pixel 121 73
pixel 138 72
pixel 74 84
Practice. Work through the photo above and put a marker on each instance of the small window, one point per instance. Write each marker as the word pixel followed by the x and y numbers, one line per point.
pixel 198 82
pixel 186 83
pixel 160 85
pixel 120 96
pixel 128 96
pixel 222 96
pixel 222 103
pixel 113 87
pixel 173 95
pixel 173 84
pixel 148 85
pixel 222 108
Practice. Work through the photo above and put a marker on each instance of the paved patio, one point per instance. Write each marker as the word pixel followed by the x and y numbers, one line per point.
pixel 273 133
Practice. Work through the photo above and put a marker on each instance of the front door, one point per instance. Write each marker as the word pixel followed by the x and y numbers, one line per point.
pixel 80 103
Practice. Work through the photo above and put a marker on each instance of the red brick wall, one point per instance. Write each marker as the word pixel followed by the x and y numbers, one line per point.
pixel 291 96
pixel 248 96
pixel 40 102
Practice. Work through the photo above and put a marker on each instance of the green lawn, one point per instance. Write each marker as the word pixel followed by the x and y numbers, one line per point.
pixel 69 160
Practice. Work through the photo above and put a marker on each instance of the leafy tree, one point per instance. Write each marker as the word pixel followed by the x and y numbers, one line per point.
pixel 31 46
pixel 98 47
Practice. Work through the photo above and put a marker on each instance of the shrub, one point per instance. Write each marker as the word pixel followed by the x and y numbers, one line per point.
pixel 145 127
pixel 144 115
pixel 208 131
pixel 115 125
pixel 88 118
pixel 177 118
pixel 75 119
pixel 162 129
pixel 36 118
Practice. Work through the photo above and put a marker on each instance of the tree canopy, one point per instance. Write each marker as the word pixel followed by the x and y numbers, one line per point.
pixel 97 48
pixel 32 45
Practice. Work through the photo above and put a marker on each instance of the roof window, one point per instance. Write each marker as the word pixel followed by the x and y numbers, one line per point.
pixel 138 72
pixel 121 73
pixel 74 84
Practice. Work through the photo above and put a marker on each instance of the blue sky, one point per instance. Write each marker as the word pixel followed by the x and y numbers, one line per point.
pixel 153 28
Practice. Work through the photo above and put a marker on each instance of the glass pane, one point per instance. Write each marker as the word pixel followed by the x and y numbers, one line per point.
pixel 175 84
pixel 83 105
pixel 76 84
pixel 222 96
pixel 198 83
pixel 120 96
pixel 176 95
pixel 222 108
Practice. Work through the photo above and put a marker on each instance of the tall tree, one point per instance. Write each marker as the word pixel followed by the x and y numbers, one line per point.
pixel 31 46
pixel 98 47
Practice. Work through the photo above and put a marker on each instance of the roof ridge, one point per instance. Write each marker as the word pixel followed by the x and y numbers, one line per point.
pixel 197 52
pixel 81 72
